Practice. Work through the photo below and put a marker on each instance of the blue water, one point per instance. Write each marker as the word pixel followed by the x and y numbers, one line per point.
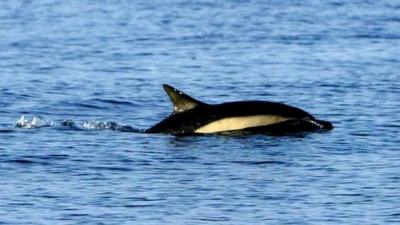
pixel 73 74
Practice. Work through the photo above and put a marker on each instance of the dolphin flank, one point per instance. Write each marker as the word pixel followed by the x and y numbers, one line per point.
pixel 191 116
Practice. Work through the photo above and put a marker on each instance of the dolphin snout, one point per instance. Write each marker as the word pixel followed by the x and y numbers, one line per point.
pixel 325 124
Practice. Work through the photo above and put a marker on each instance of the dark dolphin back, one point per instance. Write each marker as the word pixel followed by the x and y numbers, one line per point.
pixel 249 108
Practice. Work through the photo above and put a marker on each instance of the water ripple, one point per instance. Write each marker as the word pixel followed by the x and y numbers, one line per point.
pixel 259 162
pixel 81 71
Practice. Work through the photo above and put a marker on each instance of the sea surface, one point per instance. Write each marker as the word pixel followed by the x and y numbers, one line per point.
pixel 80 80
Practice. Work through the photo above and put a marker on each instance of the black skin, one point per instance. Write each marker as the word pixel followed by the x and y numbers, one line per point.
pixel 188 121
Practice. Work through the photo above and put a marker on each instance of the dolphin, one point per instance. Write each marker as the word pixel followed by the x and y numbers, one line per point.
pixel 191 116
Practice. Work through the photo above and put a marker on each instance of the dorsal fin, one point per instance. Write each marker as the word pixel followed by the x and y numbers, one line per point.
pixel 181 101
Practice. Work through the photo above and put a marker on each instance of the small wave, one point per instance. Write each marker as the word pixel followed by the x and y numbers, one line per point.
pixel 20 161
pixel 258 162
pixel 6 130
pixel 114 102
pixel 39 122
pixel 87 105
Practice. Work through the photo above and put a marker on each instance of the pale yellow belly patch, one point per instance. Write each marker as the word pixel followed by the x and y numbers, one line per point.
pixel 239 123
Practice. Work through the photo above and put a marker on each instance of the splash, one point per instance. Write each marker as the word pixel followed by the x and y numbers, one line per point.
pixel 33 122
pixel 39 122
